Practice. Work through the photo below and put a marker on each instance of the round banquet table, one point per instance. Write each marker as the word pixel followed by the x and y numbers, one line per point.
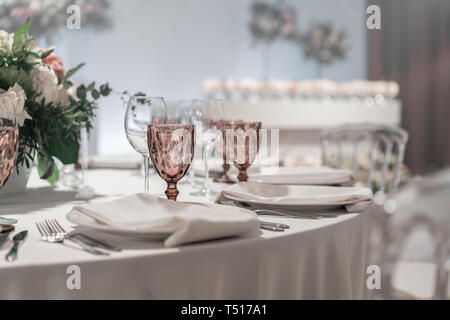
pixel 314 259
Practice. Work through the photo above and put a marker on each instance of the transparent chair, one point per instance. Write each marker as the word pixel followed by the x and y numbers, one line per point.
pixel 416 246
pixel 374 152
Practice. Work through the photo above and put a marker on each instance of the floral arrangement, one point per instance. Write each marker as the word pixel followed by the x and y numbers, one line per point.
pixel 50 15
pixel 324 44
pixel 50 109
pixel 270 21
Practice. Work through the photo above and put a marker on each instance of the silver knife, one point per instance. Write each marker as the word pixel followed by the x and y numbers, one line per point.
pixel 93 242
pixel 18 239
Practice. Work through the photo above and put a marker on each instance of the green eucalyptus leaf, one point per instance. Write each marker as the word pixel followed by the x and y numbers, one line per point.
pixel 47 53
pixel 71 72
pixel 67 84
pixel 105 89
pixel 21 33
pixel 81 92
pixel 33 54
pixel 95 94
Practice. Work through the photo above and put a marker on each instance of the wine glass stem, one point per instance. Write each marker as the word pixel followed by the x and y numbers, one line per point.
pixel 146 173
pixel 172 191
pixel 205 159
pixel 206 186
pixel 192 176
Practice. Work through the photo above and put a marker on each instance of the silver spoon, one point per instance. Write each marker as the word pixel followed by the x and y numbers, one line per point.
pixel 4 220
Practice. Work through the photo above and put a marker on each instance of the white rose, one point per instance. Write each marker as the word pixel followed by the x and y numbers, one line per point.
pixel 61 96
pixel 45 83
pixel 6 42
pixel 14 99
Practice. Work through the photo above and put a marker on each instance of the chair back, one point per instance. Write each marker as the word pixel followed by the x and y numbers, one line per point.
pixel 373 167
pixel 422 204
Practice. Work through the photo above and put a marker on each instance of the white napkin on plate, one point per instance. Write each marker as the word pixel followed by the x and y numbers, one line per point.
pixel 187 222
pixel 353 198
pixel 302 175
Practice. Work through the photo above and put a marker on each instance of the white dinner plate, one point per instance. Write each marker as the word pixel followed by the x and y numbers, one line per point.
pixel 298 197
pixel 88 222
pixel 301 176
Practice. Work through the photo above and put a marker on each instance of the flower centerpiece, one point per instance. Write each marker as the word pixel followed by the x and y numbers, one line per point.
pixel 324 44
pixel 50 109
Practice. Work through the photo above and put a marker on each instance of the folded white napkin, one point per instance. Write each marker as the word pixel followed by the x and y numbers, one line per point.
pixel 186 222
pixel 354 199
pixel 301 175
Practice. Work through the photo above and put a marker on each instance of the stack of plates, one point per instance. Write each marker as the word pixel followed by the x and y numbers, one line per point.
pixel 301 176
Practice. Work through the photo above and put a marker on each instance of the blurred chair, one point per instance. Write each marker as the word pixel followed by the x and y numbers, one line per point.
pixel 422 205
pixel 343 147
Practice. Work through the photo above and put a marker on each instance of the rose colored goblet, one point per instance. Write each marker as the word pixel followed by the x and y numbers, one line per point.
pixel 9 137
pixel 171 148
pixel 242 145
pixel 223 125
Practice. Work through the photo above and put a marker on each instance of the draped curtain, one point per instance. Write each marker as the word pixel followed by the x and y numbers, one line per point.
pixel 413 48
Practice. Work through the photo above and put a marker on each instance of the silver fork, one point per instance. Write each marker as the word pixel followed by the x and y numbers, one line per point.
pixel 51 232
pixel 91 241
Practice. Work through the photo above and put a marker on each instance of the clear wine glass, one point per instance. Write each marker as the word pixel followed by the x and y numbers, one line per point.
pixel 183 110
pixel 141 112
pixel 206 114
pixel 171 148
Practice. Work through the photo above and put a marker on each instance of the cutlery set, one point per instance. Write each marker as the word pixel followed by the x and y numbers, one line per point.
pixel 51 231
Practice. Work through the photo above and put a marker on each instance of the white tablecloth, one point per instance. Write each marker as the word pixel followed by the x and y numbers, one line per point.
pixel 314 259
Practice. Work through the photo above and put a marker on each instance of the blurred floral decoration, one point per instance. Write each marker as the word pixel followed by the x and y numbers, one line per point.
pixel 272 21
pixel 50 15
pixel 324 44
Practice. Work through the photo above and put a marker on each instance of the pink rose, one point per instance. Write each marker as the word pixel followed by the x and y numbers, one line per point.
pixel 55 63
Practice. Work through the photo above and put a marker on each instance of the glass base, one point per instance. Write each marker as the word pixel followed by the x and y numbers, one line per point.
pixel 223 179
pixel 208 193
pixel 85 193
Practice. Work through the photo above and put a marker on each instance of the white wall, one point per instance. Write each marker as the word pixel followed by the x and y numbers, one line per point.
pixel 167 47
